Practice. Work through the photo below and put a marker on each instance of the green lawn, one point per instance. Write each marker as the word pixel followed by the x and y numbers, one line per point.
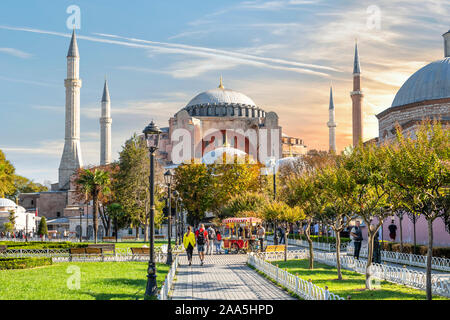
pixel 99 281
pixel 352 284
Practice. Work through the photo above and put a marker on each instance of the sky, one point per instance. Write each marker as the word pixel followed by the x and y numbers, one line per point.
pixel 157 55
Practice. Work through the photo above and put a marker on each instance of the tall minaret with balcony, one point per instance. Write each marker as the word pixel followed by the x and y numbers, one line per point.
pixel 105 128
pixel 357 97
pixel 331 124
pixel 71 158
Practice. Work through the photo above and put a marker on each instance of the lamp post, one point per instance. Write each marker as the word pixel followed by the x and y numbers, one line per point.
pixel 273 165
pixel 152 133
pixel 168 178
pixel 176 195
pixel 81 225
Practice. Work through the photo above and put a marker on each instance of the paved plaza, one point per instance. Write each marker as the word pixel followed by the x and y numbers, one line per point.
pixel 223 277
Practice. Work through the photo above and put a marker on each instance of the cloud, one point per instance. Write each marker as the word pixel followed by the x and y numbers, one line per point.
pixel 34 83
pixel 16 53
pixel 48 147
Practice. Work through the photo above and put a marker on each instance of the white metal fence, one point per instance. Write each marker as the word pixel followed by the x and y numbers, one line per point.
pixel 304 289
pixel 168 282
pixel 417 260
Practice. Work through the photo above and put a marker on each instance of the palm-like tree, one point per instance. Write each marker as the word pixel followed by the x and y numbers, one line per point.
pixel 94 183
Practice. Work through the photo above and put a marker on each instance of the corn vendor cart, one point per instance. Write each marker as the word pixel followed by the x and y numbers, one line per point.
pixel 240 234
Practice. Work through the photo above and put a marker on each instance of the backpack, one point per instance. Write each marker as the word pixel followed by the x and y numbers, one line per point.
pixel 201 237
pixel 211 234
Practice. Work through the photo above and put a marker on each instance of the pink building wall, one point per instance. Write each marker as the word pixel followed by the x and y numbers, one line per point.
pixel 441 238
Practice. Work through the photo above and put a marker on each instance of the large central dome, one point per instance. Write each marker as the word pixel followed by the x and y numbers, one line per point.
pixel 220 96
pixel 429 83
pixel 221 102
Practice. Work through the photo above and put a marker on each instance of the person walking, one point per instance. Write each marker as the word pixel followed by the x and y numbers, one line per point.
pixel 376 255
pixel 218 242
pixel 357 238
pixel 261 234
pixel 189 243
pixel 392 230
pixel 211 237
pixel 202 240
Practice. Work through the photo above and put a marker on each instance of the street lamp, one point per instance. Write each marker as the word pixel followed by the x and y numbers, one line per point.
pixel 176 195
pixel 272 163
pixel 152 133
pixel 168 178
pixel 81 225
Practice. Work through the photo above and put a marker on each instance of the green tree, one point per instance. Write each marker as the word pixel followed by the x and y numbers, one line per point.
pixel 131 184
pixel 118 216
pixel 8 227
pixel 42 228
pixel 24 185
pixel 94 184
pixel 6 176
pixel 336 185
pixel 245 202
pixel 420 167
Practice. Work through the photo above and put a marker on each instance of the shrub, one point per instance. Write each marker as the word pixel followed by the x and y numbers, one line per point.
pixel 42 245
pixel 23 263
pixel 443 252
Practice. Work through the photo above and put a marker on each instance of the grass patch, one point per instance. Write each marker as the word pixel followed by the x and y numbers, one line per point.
pixel 99 281
pixel 23 263
pixel 352 284
pixel 66 245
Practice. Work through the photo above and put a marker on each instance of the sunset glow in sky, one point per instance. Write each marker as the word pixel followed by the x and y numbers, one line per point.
pixel 157 55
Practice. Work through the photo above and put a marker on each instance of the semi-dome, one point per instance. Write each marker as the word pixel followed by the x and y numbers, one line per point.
pixel 6 203
pixel 429 83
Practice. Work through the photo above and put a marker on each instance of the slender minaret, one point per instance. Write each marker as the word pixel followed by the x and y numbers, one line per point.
pixel 71 158
pixel 331 124
pixel 105 128
pixel 357 97
pixel 447 44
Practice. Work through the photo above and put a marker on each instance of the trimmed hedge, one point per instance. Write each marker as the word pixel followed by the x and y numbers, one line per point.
pixel 23 263
pixel 443 252
pixel 42 245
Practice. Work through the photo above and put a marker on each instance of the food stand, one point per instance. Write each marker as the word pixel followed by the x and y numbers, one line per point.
pixel 240 234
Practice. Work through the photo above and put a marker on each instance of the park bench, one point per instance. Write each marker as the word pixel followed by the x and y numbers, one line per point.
pixel 159 236
pixel 140 252
pixel 128 238
pixel 109 238
pixel 3 248
pixel 85 252
pixel 106 247
pixel 275 248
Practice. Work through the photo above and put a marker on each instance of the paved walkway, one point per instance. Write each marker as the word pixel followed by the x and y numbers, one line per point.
pixel 223 277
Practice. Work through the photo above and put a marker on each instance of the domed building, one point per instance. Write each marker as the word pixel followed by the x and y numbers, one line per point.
pixel 218 118
pixel 426 94
pixel 24 221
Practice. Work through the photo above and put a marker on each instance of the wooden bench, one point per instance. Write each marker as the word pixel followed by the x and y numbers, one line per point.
pixel 86 252
pixel 160 236
pixel 140 252
pixel 275 248
pixel 3 248
pixel 109 238
pixel 128 238
pixel 106 247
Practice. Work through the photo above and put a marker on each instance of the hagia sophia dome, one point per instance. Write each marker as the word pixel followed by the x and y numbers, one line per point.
pixel 222 102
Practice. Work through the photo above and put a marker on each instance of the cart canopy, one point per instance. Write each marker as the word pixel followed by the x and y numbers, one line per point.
pixel 240 220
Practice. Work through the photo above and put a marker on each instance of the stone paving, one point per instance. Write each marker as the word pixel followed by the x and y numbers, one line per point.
pixel 223 277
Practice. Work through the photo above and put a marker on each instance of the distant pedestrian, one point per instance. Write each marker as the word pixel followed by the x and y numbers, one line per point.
pixel 189 243
pixel 357 238
pixel 282 233
pixel 392 230
pixel 211 237
pixel 218 242
pixel 261 233
pixel 376 257
pixel 202 240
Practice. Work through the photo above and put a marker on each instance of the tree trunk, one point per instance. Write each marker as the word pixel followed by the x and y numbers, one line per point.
pixel 429 256
pixel 401 234
pixel 117 231
pixel 137 232
pixel 95 216
pixel 146 232
pixel 311 251
pixel 338 254
pixel 285 243
pixel 369 257
pixel 275 237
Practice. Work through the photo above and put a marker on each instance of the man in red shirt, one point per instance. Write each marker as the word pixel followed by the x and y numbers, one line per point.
pixel 202 239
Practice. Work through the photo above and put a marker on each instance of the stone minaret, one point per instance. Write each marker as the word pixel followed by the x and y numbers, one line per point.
pixel 71 158
pixel 332 124
pixel 446 44
pixel 105 128
pixel 357 97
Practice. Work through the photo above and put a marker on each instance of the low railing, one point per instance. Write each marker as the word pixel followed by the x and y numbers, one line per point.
pixel 316 245
pixel 404 276
pixel 304 289
pixel 437 263
pixel 168 281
